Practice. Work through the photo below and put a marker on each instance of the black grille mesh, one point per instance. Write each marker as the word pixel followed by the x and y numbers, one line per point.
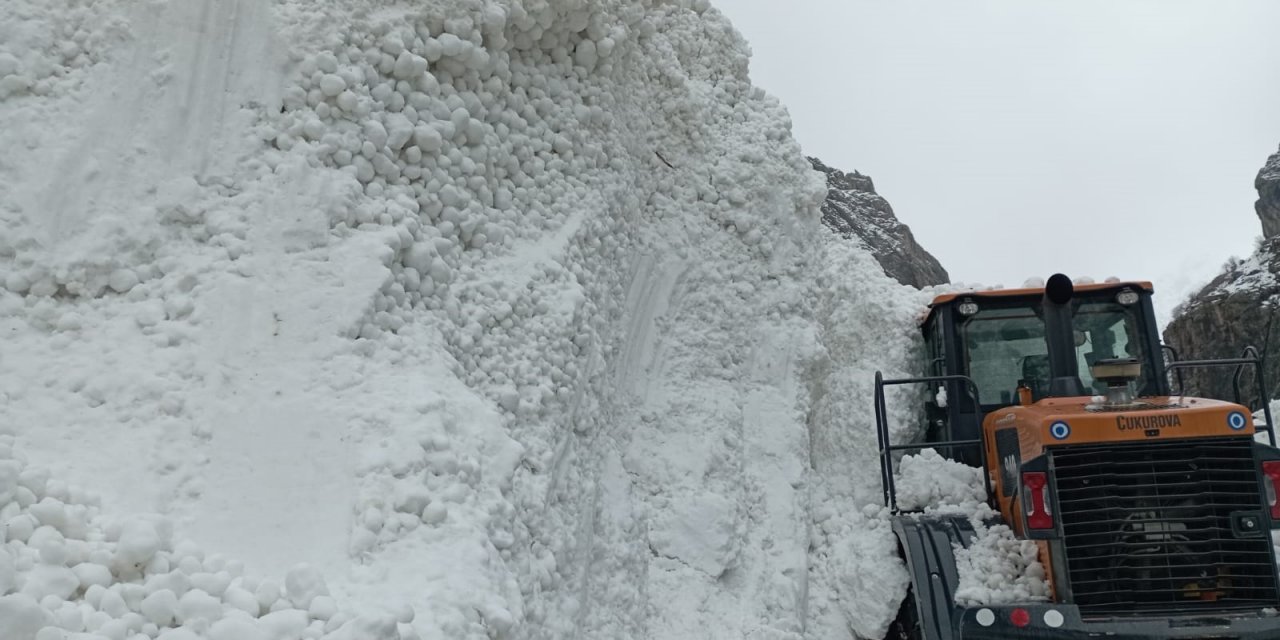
pixel 1149 526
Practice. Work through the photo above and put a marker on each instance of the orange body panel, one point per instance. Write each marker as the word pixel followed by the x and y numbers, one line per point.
pixel 1170 418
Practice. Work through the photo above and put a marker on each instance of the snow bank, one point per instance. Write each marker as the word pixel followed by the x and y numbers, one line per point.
pixel 508 319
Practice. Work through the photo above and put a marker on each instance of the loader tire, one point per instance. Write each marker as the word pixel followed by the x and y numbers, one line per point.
pixel 907 625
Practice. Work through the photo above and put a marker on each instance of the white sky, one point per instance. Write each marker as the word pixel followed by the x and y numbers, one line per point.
pixel 1022 138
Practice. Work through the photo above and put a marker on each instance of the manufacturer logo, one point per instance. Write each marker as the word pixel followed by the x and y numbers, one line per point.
pixel 1139 423
pixel 1060 430
pixel 1236 420
pixel 1007 418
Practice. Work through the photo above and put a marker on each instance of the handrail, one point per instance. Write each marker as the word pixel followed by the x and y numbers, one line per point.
pixel 1248 356
pixel 887 448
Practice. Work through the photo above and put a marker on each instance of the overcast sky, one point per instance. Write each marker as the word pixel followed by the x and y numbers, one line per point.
pixel 1021 138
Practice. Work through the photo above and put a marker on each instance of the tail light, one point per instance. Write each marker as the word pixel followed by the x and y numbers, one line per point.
pixel 1039 516
pixel 1271 471
pixel 1020 617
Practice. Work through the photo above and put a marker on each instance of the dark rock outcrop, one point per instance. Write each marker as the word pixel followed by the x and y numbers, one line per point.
pixel 1268 204
pixel 1240 307
pixel 853 208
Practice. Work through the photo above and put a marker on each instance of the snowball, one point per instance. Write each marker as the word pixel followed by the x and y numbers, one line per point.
pixel 21 617
pixel 8 573
pixel 332 84
pixel 302 584
pixel 50 512
pixel 375 133
pixel 160 607
pixel 399 130
pixel 53 551
pixel 450 45
pixel 286 623
pixel 322 608
pixel 585 54
pixel 112 604
pixel 139 541
pixel 427 138
pixel 48 580
pixel 122 280
pixel 236 629
pixel 91 574
pixel 435 513
pixel 267 593
pixel 238 598
pixel 197 605
pixel 347 101
pixel 409 66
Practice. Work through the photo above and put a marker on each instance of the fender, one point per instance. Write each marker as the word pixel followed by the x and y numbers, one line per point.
pixel 927 548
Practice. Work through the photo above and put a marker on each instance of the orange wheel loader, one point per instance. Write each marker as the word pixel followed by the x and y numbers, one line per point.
pixel 1153 512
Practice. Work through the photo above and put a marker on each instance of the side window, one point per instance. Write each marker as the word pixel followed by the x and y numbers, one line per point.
pixel 1004 347
pixel 936 351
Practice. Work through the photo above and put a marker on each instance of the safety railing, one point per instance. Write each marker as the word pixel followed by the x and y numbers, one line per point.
pixel 1249 356
pixel 887 448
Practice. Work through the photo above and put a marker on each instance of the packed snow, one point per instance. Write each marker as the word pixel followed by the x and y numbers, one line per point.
pixel 928 481
pixel 997 567
pixel 472 319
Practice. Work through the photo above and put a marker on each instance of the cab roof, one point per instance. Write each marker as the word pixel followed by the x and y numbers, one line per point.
pixel 948 298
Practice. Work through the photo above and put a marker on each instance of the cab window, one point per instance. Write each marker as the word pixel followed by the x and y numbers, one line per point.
pixel 1002 347
pixel 1104 331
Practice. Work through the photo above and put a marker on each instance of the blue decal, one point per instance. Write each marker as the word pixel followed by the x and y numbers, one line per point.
pixel 1060 430
pixel 1236 420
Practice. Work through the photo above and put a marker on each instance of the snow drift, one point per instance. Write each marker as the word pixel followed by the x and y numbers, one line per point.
pixel 473 319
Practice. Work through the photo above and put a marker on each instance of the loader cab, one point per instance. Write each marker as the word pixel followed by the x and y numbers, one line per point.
pixel 1004 342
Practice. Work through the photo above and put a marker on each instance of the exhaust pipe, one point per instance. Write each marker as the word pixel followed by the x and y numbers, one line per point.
pixel 1064 371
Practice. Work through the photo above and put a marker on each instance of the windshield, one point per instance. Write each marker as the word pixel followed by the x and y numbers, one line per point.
pixel 1005 346
pixel 1103 331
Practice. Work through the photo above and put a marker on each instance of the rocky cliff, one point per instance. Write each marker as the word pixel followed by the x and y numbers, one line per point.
pixel 1239 307
pixel 1268 204
pixel 853 208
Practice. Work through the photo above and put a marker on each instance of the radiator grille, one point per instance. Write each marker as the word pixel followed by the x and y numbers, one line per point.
pixel 1149 526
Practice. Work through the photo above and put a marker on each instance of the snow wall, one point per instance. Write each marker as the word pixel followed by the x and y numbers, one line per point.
pixel 464 319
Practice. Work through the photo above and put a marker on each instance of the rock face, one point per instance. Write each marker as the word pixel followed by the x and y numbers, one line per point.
pixel 1238 308
pixel 853 208
pixel 1268 204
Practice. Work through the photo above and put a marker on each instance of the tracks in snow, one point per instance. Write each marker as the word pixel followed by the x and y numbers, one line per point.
pixel 713 446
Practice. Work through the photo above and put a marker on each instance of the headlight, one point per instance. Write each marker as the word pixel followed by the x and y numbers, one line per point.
pixel 967 307
pixel 1127 297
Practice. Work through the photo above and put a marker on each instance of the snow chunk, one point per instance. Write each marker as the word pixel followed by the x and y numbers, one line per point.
pixel 700 531
pixel 928 481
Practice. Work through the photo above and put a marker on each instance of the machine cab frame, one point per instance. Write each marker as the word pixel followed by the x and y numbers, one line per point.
pixel 1000 340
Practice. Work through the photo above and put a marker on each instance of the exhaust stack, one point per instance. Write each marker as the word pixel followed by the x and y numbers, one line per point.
pixel 1064 377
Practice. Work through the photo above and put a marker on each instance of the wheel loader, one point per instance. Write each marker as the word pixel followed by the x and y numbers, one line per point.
pixel 1152 511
